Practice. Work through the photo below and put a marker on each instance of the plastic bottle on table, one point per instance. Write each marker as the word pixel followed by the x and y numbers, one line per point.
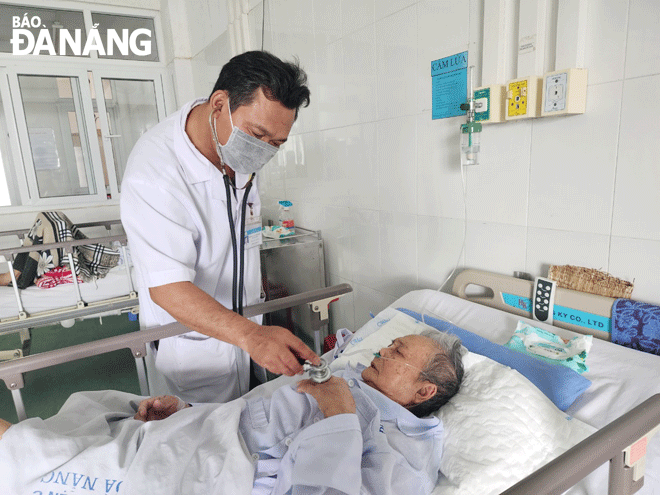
pixel 286 217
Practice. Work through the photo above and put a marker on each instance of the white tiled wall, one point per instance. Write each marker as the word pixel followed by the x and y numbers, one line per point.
pixel 636 207
pixel 573 165
pixel 368 166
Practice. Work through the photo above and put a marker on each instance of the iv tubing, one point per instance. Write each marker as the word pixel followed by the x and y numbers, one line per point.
pixel 464 185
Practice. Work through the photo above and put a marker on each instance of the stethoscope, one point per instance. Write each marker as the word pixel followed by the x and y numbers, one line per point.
pixel 237 281
pixel 237 285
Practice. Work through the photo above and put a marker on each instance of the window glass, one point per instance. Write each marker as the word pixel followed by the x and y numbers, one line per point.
pixel 9 194
pixel 127 37
pixel 132 111
pixel 57 134
pixel 64 31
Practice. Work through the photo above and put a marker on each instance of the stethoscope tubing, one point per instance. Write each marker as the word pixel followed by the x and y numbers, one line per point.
pixel 242 256
pixel 237 281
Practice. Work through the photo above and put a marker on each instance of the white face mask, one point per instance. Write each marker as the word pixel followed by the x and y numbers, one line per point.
pixel 245 154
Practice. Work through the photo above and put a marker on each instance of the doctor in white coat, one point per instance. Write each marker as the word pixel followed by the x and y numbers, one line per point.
pixel 182 199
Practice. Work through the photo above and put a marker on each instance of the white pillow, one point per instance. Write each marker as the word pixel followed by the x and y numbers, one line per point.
pixel 498 428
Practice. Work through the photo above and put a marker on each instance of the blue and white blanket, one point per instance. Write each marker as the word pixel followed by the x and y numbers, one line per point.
pixel 636 325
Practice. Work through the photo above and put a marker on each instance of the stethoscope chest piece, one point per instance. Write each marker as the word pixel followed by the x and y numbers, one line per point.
pixel 318 374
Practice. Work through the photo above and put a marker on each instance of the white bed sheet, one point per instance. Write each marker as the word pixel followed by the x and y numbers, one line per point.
pixel 34 299
pixel 613 392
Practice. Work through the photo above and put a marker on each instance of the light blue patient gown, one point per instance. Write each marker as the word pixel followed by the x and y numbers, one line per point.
pixel 383 449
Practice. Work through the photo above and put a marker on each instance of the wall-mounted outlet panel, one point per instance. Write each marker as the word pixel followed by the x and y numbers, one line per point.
pixel 523 98
pixel 564 92
pixel 490 104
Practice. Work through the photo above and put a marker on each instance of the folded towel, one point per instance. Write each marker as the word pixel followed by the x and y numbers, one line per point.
pixel 636 325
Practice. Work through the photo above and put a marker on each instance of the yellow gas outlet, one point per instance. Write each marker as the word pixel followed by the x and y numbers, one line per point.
pixel 518 99
pixel 523 98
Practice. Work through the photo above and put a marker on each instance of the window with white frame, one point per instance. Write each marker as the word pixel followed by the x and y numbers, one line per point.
pixel 78 86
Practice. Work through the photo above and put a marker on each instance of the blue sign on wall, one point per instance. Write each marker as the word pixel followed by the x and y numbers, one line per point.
pixel 449 85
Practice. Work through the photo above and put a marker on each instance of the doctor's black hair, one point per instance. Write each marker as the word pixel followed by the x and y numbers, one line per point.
pixel 281 81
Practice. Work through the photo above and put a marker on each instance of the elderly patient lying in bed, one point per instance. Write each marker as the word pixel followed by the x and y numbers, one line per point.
pixel 365 428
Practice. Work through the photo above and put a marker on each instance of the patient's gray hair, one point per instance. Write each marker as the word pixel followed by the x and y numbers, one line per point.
pixel 445 370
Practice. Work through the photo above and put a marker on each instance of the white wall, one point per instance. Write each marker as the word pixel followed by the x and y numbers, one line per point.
pixel 368 166
pixel 197 45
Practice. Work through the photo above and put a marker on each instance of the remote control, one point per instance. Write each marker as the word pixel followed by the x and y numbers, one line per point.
pixel 544 299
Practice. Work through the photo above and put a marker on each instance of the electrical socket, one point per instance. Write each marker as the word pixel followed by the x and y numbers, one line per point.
pixel 564 92
pixel 555 92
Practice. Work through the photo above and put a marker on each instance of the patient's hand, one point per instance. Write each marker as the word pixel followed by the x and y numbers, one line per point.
pixel 155 408
pixel 4 426
pixel 333 396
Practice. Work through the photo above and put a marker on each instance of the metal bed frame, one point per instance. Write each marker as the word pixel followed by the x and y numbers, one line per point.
pixel 11 372
pixel 622 442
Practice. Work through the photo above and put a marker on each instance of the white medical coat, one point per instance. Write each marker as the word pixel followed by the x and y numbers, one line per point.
pixel 174 211
pixel 384 449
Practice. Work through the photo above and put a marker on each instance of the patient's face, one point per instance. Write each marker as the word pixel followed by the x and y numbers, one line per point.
pixel 396 373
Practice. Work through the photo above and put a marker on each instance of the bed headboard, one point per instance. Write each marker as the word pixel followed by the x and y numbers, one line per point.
pixel 577 311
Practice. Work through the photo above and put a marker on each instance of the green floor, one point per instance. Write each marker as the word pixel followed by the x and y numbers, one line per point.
pixel 46 390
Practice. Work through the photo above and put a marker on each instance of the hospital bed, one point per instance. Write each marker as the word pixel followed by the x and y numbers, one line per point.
pixel 34 307
pixel 622 402
pixel 21 310
pixel 622 379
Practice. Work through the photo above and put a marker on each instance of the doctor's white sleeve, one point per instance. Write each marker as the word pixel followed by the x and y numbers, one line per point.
pixel 160 233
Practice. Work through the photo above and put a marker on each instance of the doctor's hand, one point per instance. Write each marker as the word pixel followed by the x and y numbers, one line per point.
pixel 333 396
pixel 155 408
pixel 278 350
